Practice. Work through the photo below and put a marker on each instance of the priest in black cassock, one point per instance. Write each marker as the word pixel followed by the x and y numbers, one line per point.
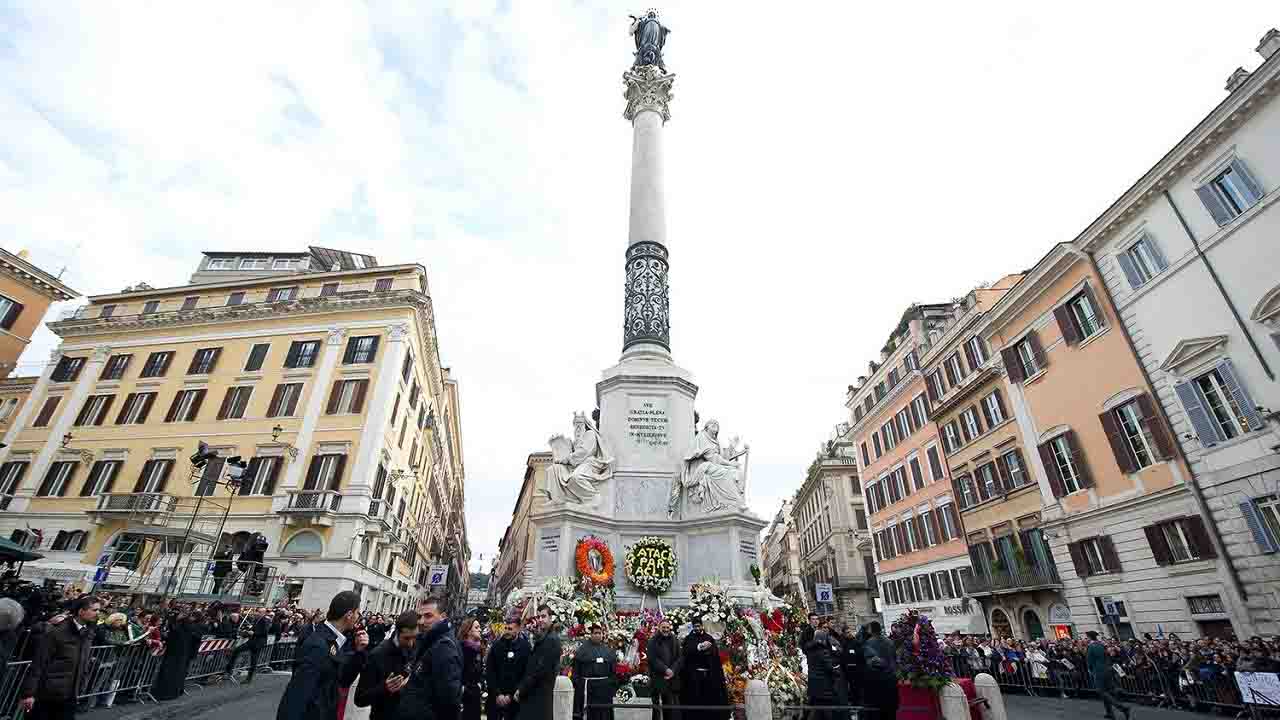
pixel 701 675
pixel 593 683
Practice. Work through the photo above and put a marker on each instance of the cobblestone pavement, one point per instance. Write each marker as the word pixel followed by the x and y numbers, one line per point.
pixel 1020 707
pixel 220 702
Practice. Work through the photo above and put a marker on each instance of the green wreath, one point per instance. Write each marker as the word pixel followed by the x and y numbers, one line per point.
pixel 651 564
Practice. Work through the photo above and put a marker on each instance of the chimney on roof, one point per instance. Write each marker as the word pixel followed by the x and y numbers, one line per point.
pixel 1237 79
pixel 1269 44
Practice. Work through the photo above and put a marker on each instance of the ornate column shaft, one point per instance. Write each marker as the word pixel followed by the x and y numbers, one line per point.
pixel 646 313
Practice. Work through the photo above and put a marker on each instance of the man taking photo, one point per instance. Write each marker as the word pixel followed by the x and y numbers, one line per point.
pixel 387 670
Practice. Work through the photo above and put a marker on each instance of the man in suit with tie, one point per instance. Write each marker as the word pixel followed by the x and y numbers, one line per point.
pixel 327 661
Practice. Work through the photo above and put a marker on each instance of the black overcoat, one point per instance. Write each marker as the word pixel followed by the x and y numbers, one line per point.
pixel 322 668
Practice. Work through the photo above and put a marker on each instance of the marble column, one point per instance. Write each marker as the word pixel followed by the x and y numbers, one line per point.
pixel 34 402
pixel 68 408
pixel 320 385
pixel 386 381
pixel 646 312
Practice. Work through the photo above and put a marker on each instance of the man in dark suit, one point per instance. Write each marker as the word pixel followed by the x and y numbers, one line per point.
pixel 701 675
pixel 434 690
pixel 663 652
pixel 536 694
pixel 504 669
pixel 327 661
pixel 221 568
pixel 255 633
pixel 387 670
pixel 59 664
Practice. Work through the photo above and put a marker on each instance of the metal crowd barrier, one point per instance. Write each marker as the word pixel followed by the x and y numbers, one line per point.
pixel 127 672
pixel 1147 683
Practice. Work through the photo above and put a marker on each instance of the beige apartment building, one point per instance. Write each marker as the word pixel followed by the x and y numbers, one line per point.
pixel 834 535
pixel 26 292
pixel 780 555
pixel 516 551
pixel 919 545
pixel 319 368
pixel 1120 509
pixel 1013 575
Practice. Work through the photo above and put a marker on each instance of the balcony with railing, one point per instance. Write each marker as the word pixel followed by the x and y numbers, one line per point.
pixel 147 508
pixel 998 582
pixel 318 506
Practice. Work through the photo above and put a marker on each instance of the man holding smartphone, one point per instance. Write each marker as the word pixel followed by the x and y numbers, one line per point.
pixel 387 669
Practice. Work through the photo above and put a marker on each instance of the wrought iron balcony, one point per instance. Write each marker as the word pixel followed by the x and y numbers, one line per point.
pixel 313 502
pixel 998 582
pixel 126 503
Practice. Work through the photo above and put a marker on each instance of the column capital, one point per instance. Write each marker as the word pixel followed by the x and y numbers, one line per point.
pixel 648 88
pixel 398 332
pixel 100 353
pixel 336 335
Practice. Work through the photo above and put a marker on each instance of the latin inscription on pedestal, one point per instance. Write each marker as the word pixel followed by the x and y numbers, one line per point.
pixel 648 423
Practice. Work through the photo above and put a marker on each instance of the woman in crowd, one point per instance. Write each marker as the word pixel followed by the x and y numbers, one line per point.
pixel 472 668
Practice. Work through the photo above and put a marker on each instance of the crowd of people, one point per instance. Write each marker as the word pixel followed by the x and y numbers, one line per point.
pixel 1181 672
pixel 421 665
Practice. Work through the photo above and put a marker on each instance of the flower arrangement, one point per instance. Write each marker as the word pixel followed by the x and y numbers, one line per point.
pixel 650 564
pixel 594 561
pixel 709 601
pixel 921 663
pixel 589 611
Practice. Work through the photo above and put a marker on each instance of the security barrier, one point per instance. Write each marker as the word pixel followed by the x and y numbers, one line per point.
pixel 1034 673
pixel 117 673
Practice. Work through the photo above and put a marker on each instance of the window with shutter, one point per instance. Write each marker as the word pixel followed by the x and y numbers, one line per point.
pixel 46 411
pixel 917 475
pixel 1262 515
pixel 67 369
pixel 157 364
pixel 115 367
pixel 1230 193
pixel 257 356
pixel 190 303
pixel 9 311
pixel 204 360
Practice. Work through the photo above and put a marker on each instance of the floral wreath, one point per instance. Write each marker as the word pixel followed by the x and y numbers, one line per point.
pixel 583 560
pixel 656 551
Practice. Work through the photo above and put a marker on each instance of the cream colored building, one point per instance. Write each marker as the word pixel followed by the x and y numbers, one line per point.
pixel 780 555
pixel 834 537
pixel 318 368
pixel 515 552
pixel 26 292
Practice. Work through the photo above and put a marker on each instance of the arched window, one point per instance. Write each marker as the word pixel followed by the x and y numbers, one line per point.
pixel 303 543
pixel 1000 626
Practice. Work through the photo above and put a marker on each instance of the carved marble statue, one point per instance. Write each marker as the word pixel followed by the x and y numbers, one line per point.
pixel 577 468
pixel 651 37
pixel 710 478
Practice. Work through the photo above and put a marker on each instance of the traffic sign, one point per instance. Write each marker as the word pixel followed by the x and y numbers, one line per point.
pixel 100 575
pixel 823 592
pixel 439 575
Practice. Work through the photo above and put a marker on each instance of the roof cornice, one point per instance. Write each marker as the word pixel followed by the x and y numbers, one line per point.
pixel 281 279
pixel 1059 258
pixel 28 274
pixel 1234 110
pixel 342 302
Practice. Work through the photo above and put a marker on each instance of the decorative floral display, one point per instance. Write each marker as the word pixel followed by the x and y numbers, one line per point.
pixel 758 640
pixel 594 561
pixel 920 660
pixel 651 564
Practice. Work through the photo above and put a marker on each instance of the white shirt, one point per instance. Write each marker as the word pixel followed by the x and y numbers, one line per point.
pixel 341 638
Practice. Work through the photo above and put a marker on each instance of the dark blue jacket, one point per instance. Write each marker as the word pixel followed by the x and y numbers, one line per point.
pixel 434 690
pixel 322 668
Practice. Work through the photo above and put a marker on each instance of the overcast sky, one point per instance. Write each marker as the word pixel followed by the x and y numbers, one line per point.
pixel 828 164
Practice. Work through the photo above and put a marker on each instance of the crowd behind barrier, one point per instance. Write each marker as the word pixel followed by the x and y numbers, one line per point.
pixel 1198 676
pixel 128 673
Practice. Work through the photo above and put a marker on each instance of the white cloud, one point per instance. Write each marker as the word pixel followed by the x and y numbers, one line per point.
pixel 827 165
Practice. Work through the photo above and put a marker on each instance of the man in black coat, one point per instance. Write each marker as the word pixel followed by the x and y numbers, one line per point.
pixel 59 664
pixel 853 664
pixel 536 694
pixel 880 678
pixel 434 690
pixel 663 654
pixel 504 669
pixel 388 668
pixel 327 661
pixel 701 675
pixel 221 568
pixel 257 625
pixel 826 681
